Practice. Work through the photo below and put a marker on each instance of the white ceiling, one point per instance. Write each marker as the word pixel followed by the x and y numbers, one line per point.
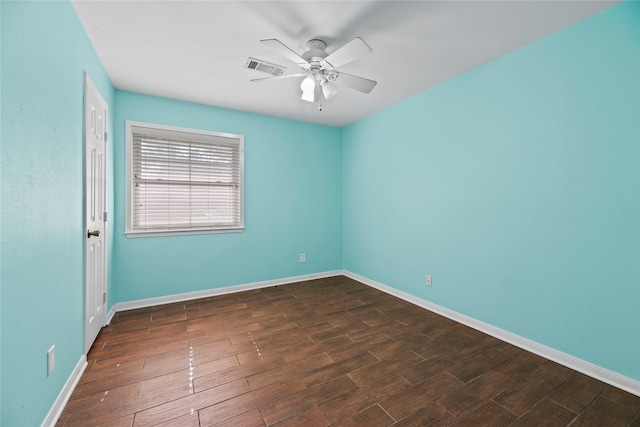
pixel 195 50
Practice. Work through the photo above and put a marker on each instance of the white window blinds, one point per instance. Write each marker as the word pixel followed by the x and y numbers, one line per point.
pixel 184 180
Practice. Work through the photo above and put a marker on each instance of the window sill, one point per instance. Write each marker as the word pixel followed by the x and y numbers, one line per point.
pixel 166 233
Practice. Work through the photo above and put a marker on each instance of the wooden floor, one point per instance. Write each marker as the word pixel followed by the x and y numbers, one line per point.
pixel 319 353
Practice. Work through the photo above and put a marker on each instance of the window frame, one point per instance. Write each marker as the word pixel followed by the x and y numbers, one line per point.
pixel 155 128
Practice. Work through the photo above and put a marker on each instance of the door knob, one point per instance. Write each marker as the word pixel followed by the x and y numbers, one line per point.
pixel 95 233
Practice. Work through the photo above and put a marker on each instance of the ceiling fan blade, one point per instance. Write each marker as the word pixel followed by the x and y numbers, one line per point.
pixel 354 82
pixel 286 76
pixel 283 50
pixel 351 51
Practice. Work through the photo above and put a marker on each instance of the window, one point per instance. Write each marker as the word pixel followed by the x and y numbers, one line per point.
pixel 183 181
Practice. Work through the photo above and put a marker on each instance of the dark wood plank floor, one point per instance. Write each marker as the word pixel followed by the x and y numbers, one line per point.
pixel 319 353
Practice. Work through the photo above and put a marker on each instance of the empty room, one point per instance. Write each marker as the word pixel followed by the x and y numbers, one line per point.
pixel 319 213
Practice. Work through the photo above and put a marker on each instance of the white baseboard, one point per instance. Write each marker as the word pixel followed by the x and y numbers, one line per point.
pixel 131 305
pixel 65 394
pixel 110 314
pixel 587 368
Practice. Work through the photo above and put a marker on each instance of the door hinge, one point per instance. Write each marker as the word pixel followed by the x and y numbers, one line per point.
pixel 105 216
pixel 104 297
pixel 106 135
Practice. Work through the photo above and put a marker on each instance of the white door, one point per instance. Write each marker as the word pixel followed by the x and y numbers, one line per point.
pixel 95 261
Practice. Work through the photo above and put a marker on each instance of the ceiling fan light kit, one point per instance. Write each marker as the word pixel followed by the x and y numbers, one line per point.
pixel 328 89
pixel 313 84
pixel 309 89
pixel 319 67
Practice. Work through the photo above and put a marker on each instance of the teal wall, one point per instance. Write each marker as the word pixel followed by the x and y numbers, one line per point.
pixel 293 204
pixel 517 186
pixel 45 53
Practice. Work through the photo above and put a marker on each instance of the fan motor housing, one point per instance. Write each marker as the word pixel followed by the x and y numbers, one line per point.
pixel 315 51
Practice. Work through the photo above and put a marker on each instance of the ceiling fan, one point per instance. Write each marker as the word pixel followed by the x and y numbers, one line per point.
pixel 319 67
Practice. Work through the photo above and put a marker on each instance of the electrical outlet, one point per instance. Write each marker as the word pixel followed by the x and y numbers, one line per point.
pixel 303 258
pixel 429 280
pixel 51 360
